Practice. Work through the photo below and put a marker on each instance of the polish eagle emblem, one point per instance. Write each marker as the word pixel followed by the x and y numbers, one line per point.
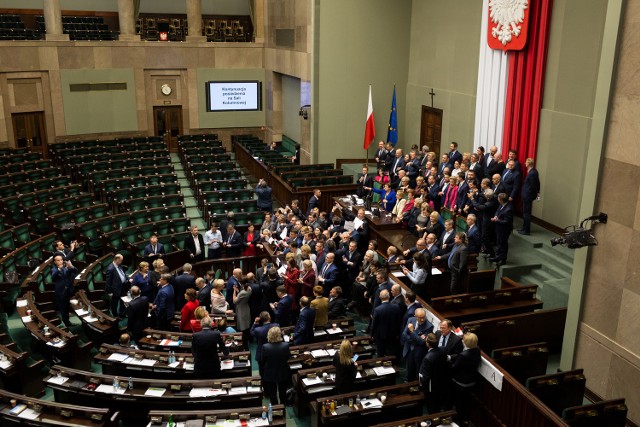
pixel 508 21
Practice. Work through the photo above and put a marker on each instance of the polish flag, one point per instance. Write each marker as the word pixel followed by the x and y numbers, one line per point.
pixel 370 128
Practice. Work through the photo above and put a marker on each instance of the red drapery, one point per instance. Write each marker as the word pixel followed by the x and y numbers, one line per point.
pixel 526 85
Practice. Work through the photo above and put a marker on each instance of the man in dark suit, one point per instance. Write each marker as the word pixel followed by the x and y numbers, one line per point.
pixel 503 220
pixel 328 273
pixel 303 331
pixel 116 285
pixel 474 237
pixel 445 163
pixel 194 245
pixel 381 155
pixel 337 307
pixel 397 164
pixel 496 184
pixel 137 314
pixel 412 305
pixel 413 337
pixel 233 282
pixel 153 250
pixel 204 293
pixel 487 206
pixel 259 331
pixel 497 167
pixel 66 252
pixel 457 263
pixel 413 167
pixel 164 304
pixel 282 308
pixel 398 299
pixel 432 375
pixel 364 180
pixel 454 154
pixel 314 201
pixel 511 180
pixel 530 191
pixel 181 283
pixel 233 242
pixel 446 241
pixel 385 326
pixel 205 347
pixel 447 339
pixel 432 245
pixel 62 275
pixel 382 279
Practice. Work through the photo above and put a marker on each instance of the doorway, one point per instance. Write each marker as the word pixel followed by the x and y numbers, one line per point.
pixel 431 129
pixel 30 132
pixel 168 124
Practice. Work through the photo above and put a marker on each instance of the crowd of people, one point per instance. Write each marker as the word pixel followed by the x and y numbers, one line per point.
pixel 330 266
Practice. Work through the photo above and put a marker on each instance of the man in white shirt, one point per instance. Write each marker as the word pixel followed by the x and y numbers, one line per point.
pixel 213 239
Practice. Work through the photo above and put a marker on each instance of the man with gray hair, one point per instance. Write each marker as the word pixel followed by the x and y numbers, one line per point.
pixel 194 245
pixel 183 282
pixel 385 326
pixel 413 339
pixel 137 314
pixel 205 347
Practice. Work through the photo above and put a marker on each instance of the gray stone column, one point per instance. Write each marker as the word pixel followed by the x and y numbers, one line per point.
pixel 53 21
pixel 194 16
pixel 126 17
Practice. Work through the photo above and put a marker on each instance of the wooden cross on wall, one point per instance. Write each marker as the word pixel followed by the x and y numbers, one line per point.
pixel 432 93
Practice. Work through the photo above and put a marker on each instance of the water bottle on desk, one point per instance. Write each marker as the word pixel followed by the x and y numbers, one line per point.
pixel 270 414
pixel 130 383
pixel 116 384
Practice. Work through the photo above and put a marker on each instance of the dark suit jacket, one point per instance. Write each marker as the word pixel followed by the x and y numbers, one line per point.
pixel 454 343
pixel 113 283
pixel 414 339
pixel 330 276
pixel 165 302
pixel 204 296
pixel 386 321
pixel 63 280
pixel 531 186
pixel 367 182
pixel 274 360
pixel 455 155
pixel 449 242
pixel 259 332
pixel 495 168
pixel 433 371
pixel 313 203
pixel 182 283
pixel 190 247
pixel 411 310
pixel 504 224
pixel 283 311
pixel 511 181
pixel 474 239
pixel 148 250
pixel 138 315
pixel 459 259
pixel 234 244
pixel 204 348
pixel 303 331
pixel 394 166
pixel 337 309
pixel 399 301
pixel 231 283
pixel 464 366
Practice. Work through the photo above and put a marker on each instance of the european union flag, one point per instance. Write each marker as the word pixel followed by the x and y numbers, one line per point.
pixel 392 132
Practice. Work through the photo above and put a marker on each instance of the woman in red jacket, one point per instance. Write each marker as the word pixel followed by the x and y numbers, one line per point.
pixel 188 309
pixel 291 281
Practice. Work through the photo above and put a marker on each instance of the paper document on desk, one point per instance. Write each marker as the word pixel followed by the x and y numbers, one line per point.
pixel 74 301
pixel 371 403
pixel 170 343
pixel 26 319
pixel 435 271
pixel 332 351
pixel 108 389
pixel 90 319
pixel 319 332
pixel 334 331
pixel 142 362
pixel 57 380
pixel 118 357
pixel 206 392
pixel 21 303
pixel 188 366
pixel 384 370
pixel 29 414
pixel 155 391
pixel 226 364
pixel 312 381
pixel 81 312
pixel 319 353
pixel 237 390
pixel 398 274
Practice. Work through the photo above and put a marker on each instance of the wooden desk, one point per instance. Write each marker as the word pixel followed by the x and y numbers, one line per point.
pixel 58 344
pixel 54 413
pixel 523 361
pixel 19 376
pixel 344 329
pixel 181 341
pixel 310 384
pixel 402 400
pixel 100 325
pixel 88 388
pixel 321 354
pixel 520 329
pixel 160 418
pixel 126 362
pixel 444 419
